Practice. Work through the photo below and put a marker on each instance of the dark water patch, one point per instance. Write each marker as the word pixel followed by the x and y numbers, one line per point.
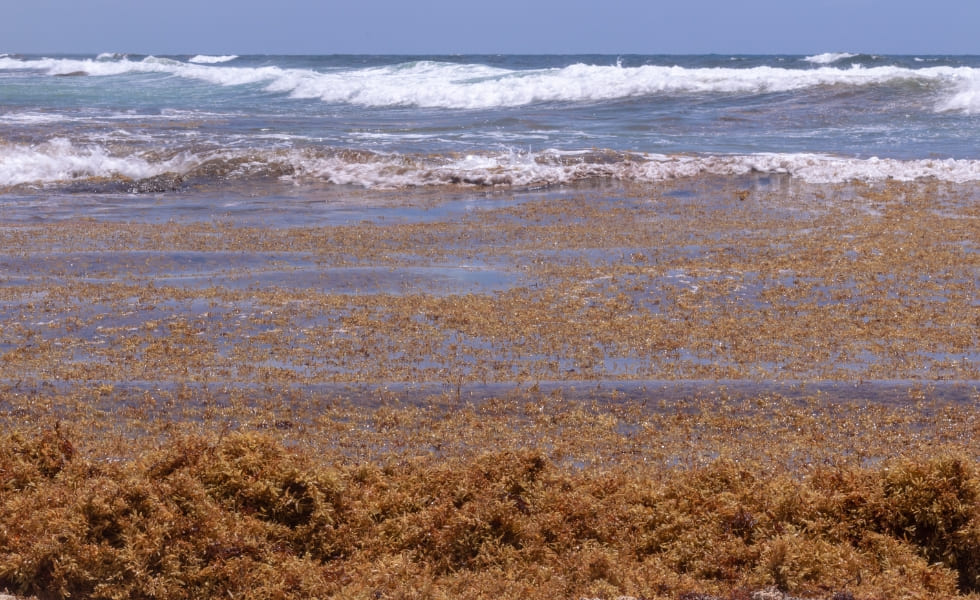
pixel 255 203
pixel 363 280
pixel 656 396
pixel 242 270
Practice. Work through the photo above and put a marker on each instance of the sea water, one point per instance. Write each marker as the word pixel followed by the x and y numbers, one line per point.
pixel 104 122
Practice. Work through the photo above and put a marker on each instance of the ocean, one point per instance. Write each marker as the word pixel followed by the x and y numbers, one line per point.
pixel 117 123
pixel 489 326
pixel 341 219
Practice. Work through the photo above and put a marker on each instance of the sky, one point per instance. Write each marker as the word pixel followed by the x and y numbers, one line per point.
pixel 490 26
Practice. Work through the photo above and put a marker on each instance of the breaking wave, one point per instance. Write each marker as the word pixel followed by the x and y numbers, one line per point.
pixel 211 60
pixel 555 168
pixel 432 84
pixel 828 58
pixel 59 162
pixel 965 97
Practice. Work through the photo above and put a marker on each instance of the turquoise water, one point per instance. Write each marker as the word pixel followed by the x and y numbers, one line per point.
pixel 400 121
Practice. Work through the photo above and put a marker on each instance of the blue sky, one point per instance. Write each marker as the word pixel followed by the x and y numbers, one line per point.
pixel 490 26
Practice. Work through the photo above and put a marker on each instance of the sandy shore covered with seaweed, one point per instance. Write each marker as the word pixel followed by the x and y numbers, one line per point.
pixel 707 388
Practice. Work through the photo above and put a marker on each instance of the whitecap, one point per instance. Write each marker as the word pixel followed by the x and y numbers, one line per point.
pixel 555 167
pixel 828 58
pixel 210 60
pixel 966 95
pixel 435 85
pixel 31 118
pixel 59 160
pixel 163 61
pixel 430 84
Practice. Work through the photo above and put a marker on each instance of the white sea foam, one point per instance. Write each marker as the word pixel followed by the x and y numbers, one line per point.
pixel 828 58
pixel 31 118
pixel 554 168
pixel 210 60
pixel 58 160
pixel 429 84
pixel 818 168
pixel 110 56
pixel 436 85
pixel 966 97
pixel 61 161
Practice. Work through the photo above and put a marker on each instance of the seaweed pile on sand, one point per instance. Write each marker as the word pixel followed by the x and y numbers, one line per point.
pixel 248 516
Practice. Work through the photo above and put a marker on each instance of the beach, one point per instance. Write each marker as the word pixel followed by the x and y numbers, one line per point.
pixel 648 334
pixel 489 327
pixel 710 279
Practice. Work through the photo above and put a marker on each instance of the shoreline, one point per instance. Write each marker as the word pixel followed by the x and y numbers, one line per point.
pixel 705 388
pixel 703 279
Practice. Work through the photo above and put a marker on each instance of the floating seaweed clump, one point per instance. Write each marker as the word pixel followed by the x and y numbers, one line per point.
pixel 248 516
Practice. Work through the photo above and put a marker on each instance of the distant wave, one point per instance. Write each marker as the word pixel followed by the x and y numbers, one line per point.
pixel 210 60
pixel 828 57
pixel 59 161
pixel 429 84
pixel 22 118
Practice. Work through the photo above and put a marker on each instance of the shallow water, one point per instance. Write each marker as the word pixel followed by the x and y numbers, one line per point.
pixel 379 290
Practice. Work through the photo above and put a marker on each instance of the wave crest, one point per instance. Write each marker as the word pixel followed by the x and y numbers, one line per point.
pixel 211 60
pixel 430 84
pixel 828 58
pixel 966 98
pixel 59 162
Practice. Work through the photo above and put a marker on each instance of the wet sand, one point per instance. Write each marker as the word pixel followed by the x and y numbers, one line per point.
pixel 646 328
pixel 757 280
pixel 758 286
